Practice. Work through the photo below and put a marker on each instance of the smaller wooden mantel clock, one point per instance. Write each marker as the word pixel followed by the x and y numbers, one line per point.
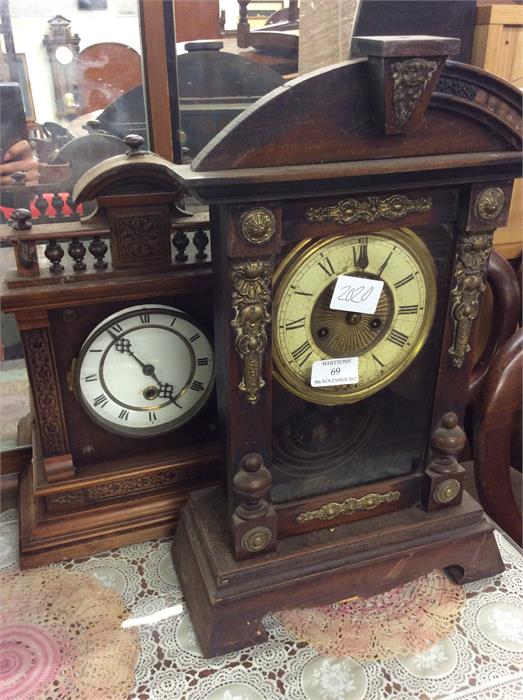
pixel 352 214
pixel 118 343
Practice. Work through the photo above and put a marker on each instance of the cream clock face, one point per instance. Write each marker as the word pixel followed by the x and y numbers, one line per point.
pixel 306 329
pixel 145 370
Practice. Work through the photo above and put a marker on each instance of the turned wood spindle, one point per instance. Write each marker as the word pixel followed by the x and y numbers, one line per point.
pixel 200 240
pixel 77 251
pixel 54 253
pixel 41 204
pixel 98 249
pixel 243 28
pixel 180 242
pixel 58 203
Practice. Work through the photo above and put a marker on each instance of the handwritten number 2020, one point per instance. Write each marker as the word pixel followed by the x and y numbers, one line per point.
pixel 356 295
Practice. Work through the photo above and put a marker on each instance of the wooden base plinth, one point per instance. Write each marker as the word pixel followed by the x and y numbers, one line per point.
pixel 227 599
pixel 58 525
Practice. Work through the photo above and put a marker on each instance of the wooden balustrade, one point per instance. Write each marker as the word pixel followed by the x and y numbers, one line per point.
pixel 83 251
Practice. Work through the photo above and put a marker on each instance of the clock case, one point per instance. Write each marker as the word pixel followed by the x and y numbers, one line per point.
pixel 399 137
pixel 89 489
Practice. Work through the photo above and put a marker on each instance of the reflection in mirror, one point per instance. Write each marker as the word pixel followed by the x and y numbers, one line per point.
pixel 61 68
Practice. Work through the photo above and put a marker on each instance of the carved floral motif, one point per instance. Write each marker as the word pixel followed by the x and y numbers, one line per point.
pixel 470 272
pixel 46 394
pixel 251 281
pixel 409 79
pixel 370 209
pixel 141 237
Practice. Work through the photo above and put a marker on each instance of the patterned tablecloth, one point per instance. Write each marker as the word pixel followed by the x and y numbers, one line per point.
pixel 481 660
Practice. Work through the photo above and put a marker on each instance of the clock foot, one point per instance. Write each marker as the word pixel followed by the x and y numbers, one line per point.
pixel 227 598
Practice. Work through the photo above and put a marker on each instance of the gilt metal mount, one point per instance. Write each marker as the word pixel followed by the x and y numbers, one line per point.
pixel 348 506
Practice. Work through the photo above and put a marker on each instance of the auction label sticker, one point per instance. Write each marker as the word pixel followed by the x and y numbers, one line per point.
pixel 357 294
pixel 340 370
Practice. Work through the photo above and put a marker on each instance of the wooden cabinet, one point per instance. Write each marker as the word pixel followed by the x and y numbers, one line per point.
pixel 498 48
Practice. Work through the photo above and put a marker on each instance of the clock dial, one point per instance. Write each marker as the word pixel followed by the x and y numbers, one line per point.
pixel 306 329
pixel 145 370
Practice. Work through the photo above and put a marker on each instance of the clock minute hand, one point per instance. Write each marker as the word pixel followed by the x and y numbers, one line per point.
pixel 363 259
pixel 123 345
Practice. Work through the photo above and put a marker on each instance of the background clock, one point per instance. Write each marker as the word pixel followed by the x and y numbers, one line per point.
pixel 145 370
pixel 386 341
pixel 118 338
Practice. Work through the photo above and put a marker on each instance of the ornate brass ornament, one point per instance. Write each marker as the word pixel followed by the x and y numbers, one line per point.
pixel 350 211
pixel 446 491
pixel 348 506
pixel 256 539
pixel 471 272
pixel 251 281
pixel 409 79
pixel 257 226
pixel 490 203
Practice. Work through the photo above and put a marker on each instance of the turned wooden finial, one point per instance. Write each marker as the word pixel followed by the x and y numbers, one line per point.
pixel 135 143
pixel 251 483
pixel 447 441
pixel 18 178
pixel 21 219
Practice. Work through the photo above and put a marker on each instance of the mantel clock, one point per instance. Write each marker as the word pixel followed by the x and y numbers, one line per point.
pixel 350 246
pixel 120 356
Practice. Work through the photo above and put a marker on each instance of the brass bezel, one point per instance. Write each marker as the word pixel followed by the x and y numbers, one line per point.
pixel 283 276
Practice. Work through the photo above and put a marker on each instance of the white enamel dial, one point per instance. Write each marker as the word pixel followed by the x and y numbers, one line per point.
pixel 145 370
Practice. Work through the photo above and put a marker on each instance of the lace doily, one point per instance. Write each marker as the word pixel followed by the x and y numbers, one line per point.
pixel 61 638
pixel 405 620
pixel 481 660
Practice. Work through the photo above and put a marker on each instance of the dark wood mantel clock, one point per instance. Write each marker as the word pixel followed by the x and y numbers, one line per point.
pixel 380 180
pixel 117 335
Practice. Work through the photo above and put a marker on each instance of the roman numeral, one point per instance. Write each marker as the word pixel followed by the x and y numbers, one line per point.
pixel 405 280
pixel 123 415
pixel 202 361
pixel 145 317
pixel 377 360
pixel 326 266
pixel 194 337
pixel 91 378
pixel 298 291
pixel 294 325
pixel 173 321
pixel 397 337
pixel 101 401
pixel 384 264
pixel 197 386
pixel 152 417
pixel 412 309
pixel 117 328
pixel 303 351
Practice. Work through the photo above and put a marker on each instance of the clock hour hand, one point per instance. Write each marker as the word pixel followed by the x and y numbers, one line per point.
pixel 123 345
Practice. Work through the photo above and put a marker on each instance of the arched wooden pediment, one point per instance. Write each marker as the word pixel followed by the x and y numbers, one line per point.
pixel 326 117
pixel 126 174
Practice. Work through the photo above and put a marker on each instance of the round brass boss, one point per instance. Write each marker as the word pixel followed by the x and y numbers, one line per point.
pixel 256 539
pixel 446 491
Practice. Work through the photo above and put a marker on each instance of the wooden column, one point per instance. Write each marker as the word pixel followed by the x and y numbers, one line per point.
pixel 46 397
pixel 243 258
